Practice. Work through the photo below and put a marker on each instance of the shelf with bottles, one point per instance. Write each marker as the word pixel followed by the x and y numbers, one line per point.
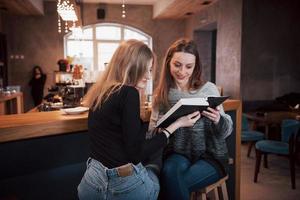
pixel 63 78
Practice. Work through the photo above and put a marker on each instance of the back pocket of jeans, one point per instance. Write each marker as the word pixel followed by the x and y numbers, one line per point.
pixel 95 178
pixel 124 185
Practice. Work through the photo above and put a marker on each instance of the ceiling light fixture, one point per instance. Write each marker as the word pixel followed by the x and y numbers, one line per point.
pixel 66 12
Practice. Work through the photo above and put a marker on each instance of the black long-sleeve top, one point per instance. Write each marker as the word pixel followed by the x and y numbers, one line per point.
pixel 117 134
pixel 37 84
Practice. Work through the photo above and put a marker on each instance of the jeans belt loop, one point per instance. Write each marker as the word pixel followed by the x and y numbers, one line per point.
pixel 125 170
pixel 89 160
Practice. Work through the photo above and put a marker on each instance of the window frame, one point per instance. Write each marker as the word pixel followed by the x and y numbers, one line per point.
pixel 95 66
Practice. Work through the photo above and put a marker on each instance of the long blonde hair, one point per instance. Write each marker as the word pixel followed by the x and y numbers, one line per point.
pixel 126 67
pixel 166 80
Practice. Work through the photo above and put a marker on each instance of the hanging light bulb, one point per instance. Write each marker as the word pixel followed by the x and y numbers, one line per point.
pixel 59 24
pixel 123 9
pixel 66 27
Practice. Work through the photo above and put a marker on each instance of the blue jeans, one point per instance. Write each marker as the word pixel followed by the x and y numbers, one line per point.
pixel 180 177
pixel 99 182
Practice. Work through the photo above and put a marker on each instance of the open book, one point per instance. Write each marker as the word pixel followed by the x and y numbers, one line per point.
pixel 187 106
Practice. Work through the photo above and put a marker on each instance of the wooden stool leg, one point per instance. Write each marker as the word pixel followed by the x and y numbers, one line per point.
pixel 192 197
pixel 250 148
pixel 292 171
pixel 216 194
pixel 257 164
pixel 214 190
pixel 266 160
pixel 197 195
pixel 224 191
pixel 203 196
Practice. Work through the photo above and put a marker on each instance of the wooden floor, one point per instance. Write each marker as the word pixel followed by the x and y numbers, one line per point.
pixel 273 183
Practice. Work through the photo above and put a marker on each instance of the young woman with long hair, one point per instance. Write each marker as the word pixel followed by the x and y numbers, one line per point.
pixel 195 156
pixel 116 168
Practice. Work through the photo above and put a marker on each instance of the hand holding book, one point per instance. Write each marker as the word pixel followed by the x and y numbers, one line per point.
pixel 186 106
pixel 184 121
pixel 212 114
pixel 188 120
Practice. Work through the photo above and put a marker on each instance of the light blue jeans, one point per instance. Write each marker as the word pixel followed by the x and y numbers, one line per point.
pixel 99 182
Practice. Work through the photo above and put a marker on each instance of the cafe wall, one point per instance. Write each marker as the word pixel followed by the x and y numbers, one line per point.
pixel 34 40
pixel 271 49
pixel 1 22
pixel 258 46
pixel 228 17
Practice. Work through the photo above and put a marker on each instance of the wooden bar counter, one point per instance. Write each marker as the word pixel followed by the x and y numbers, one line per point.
pixel 39 124
pixel 52 147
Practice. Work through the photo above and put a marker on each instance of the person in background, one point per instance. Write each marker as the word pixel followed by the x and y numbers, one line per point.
pixel 37 84
pixel 195 156
pixel 116 167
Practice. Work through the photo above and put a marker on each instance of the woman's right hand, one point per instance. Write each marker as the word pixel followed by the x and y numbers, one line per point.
pixel 185 121
pixel 188 120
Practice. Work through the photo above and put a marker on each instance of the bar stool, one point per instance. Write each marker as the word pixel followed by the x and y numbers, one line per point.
pixel 213 187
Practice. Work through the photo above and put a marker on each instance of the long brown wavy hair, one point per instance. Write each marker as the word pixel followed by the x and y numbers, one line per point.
pixel 126 67
pixel 166 80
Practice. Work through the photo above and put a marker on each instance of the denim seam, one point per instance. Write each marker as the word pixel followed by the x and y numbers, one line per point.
pixel 94 187
pixel 129 188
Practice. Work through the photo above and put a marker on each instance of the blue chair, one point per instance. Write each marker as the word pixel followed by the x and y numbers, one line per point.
pixel 250 136
pixel 287 147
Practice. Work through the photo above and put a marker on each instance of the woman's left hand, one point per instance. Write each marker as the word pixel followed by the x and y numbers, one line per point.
pixel 212 114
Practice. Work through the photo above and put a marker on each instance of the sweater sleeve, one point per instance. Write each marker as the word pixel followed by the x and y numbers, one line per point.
pixel 134 130
pixel 225 126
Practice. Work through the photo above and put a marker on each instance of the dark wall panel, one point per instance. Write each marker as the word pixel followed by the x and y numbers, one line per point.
pixel 270 42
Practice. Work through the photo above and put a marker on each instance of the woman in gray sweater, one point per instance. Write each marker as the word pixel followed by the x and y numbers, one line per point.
pixel 196 156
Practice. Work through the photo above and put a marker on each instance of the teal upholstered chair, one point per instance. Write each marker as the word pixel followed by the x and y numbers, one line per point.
pixel 250 136
pixel 287 147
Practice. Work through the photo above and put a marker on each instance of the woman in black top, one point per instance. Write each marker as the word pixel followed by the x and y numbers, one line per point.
pixel 37 84
pixel 115 168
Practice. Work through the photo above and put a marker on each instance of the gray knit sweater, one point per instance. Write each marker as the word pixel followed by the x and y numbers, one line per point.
pixel 205 138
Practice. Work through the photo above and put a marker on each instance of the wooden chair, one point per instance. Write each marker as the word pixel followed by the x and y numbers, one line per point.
pixel 287 147
pixel 215 187
pixel 250 136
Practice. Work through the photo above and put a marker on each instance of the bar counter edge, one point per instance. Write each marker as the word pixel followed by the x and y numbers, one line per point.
pixel 32 125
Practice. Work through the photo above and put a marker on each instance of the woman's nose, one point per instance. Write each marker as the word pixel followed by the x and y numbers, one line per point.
pixel 181 69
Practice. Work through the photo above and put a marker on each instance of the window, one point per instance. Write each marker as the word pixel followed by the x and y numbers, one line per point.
pixel 95 45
